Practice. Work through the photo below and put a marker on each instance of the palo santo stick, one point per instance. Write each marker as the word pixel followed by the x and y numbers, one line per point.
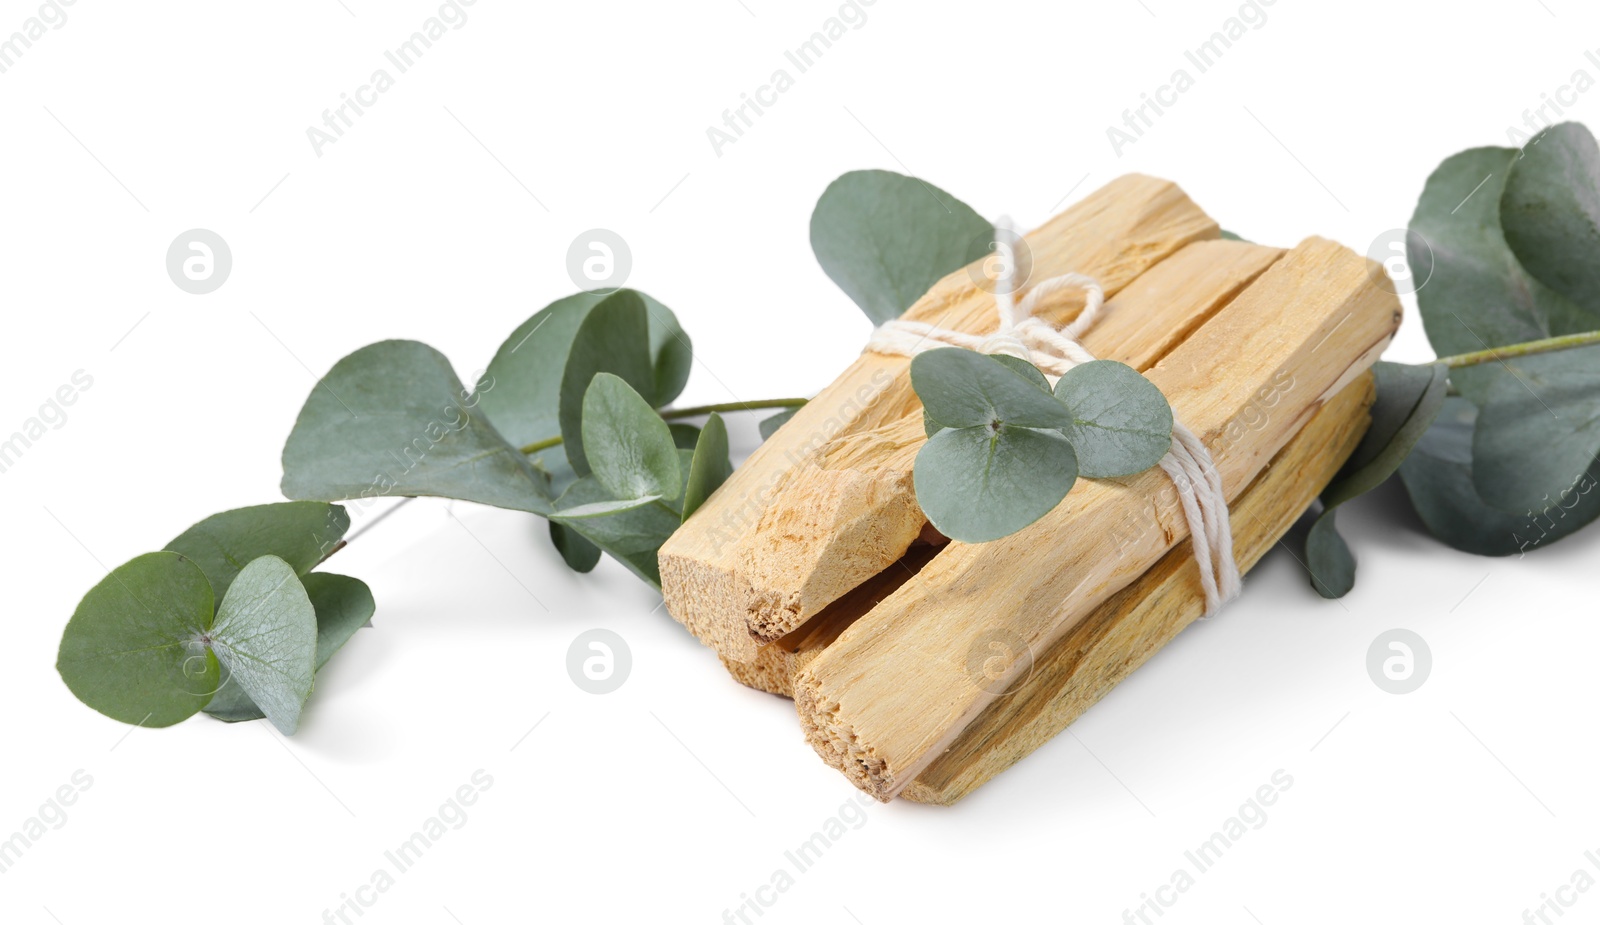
pixel 1122 633
pixel 1115 234
pixel 899 686
pixel 1141 325
pixel 1068 678
pixel 822 535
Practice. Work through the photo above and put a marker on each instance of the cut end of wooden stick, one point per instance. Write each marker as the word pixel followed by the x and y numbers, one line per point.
pixel 836 742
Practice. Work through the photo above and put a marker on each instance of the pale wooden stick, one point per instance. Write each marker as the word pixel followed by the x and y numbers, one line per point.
pixel 1122 633
pixel 1115 234
pixel 899 685
pixel 822 535
pixel 1109 644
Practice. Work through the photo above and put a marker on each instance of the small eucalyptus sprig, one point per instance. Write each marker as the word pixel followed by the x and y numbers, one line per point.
pixel 1004 447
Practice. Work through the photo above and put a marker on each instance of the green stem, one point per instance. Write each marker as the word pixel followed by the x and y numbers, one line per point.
pixel 1513 351
pixel 672 414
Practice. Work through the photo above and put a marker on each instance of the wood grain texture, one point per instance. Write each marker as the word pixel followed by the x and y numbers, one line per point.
pixel 901 683
pixel 1115 234
pixel 1125 631
pixel 822 536
pixel 1117 638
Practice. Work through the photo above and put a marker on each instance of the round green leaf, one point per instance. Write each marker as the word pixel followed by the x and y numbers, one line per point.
pixel 960 388
pixel 392 419
pixel 580 555
pixel 342 604
pixel 1120 422
pixel 1438 477
pixel 886 238
pixel 614 338
pixel 977 484
pixel 266 635
pixel 133 649
pixel 1478 296
pixel 300 533
pixel 1538 429
pixel 521 393
pixel 1551 214
pixel 709 467
pixel 628 445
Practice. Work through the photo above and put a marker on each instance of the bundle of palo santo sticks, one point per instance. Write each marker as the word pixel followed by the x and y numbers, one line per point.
pixel 922 668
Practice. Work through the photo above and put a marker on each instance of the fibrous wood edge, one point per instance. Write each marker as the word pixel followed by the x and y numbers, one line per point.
pixel 1115 234
pixel 1125 631
pixel 1097 653
pixel 901 684
pixel 824 535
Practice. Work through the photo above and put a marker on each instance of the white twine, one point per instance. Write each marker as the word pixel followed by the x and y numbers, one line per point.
pixel 1188 463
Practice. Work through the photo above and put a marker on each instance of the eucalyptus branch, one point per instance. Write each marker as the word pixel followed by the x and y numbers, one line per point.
pixel 673 414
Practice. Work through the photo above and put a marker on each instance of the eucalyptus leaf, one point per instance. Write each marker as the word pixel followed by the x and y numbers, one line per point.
pixel 580 555
pixel 628 444
pixel 1478 295
pixel 977 484
pixel 392 419
pixel 133 648
pixel 1025 369
pixel 886 238
pixel 1408 400
pixel 1121 423
pixel 1538 429
pixel 684 436
pixel 770 425
pixel 961 388
pixel 710 466
pixel 522 384
pixel 614 338
pixel 1551 214
pixel 1438 477
pixel 266 635
pixel 605 508
pixel 342 604
pixel 631 536
pixel 300 533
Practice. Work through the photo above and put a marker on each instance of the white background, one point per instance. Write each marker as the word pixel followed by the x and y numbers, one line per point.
pixel 671 798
